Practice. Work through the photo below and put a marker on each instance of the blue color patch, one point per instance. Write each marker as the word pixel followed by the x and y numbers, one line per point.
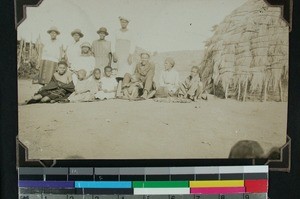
pixel 106 184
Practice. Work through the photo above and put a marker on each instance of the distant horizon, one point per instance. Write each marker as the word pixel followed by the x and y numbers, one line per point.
pixel 167 25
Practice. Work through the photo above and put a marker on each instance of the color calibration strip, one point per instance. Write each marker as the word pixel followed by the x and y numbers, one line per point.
pixel 225 182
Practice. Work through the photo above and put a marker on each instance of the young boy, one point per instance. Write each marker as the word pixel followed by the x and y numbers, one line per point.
pixel 82 91
pixel 60 86
pixel 94 81
pixel 108 85
pixel 168 81
pixel 134 89
pixel 192 87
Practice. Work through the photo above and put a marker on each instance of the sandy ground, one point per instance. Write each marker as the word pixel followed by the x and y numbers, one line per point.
pixel 119 129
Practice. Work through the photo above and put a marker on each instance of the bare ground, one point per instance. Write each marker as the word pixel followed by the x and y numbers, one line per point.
pixel 119 129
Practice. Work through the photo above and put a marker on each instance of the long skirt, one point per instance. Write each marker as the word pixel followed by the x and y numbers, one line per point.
pixel 47 69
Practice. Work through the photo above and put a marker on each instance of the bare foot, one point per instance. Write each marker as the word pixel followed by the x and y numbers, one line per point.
pixel 151 94
pixel 45 99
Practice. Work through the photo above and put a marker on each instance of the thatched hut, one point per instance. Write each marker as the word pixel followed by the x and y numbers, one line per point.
pixel 247 56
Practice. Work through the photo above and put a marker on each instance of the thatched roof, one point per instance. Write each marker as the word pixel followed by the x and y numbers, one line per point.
pixel 251 42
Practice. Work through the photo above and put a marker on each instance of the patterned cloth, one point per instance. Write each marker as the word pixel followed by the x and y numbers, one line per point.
pixel 56 90
pixel 101 50
pixel 51 53
pixel 46 71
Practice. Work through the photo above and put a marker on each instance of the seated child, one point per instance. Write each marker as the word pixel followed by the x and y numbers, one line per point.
pixel 108 85
pixel 192 87
pixel 82 91
pixel 60 86
pixel 134 89
pixel 94 81
pixel 168 81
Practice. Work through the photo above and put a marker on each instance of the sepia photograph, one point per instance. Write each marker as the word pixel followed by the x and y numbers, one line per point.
pixel 159 79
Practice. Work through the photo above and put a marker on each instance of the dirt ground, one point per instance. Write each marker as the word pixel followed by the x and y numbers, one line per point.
pixel 118 129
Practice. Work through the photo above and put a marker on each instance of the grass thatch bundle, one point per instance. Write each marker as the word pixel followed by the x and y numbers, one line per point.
pixel 249 53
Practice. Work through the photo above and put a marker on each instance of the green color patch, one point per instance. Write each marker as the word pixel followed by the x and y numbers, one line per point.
pixel 160 184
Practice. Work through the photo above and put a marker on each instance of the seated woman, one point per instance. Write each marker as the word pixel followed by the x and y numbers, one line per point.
pixel 60 86
pixel 168 81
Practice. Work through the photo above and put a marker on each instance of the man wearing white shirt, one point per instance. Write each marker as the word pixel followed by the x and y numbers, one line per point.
pixel 123 49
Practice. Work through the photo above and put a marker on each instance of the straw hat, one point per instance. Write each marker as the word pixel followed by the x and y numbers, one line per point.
pixel 78 31
pixel 86 44
pixel 124 18
pixel 102 29
pixel 53 28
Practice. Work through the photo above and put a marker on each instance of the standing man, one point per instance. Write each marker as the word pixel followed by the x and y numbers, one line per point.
pixel 102 50
pixel 144 72
pixel 51 54
pixel 123 49
pixel 74 50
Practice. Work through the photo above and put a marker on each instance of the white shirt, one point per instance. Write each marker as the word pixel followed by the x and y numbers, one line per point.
pixel 84 62
pixel 108 83
pixel 51 50
pixel 73 51
pixel 169 79
pixel 125 36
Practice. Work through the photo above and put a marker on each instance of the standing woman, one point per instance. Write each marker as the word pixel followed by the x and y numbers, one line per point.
pixel 102 50
pixel 73 49
pixel 51 54
pixel 123 49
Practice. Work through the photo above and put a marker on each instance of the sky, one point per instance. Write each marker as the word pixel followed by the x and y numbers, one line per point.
pixel 158 25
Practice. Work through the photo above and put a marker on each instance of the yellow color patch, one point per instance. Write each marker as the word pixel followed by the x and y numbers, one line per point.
pixel 217 183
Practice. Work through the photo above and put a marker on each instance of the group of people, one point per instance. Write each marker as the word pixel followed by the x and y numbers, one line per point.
pixel 82 71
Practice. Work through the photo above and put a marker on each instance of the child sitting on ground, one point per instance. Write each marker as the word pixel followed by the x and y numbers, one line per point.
pixel 192 87
pixel 82 91
pixel 94 81
pixel 134 89
pixel 108 85
pixel 60 86
pixel 168 81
